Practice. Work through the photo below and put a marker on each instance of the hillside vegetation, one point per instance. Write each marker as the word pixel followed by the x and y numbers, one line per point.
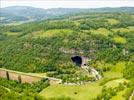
pixel 15 15
pixel 47 47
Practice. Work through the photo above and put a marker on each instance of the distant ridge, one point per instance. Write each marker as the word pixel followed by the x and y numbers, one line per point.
pixel 26 13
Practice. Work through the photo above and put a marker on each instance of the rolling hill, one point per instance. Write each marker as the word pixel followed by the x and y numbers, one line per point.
pixel 21 14
pixel 105 37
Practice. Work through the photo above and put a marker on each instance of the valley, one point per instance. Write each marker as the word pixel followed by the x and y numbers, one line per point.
pixel 91 54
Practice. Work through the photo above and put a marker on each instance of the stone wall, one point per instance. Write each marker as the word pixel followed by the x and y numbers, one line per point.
pixel 10 75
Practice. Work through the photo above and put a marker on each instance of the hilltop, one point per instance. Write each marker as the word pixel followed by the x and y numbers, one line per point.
pixel 21 14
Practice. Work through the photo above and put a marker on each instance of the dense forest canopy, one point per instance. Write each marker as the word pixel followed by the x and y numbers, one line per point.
pixel 13 90
pixel 40 46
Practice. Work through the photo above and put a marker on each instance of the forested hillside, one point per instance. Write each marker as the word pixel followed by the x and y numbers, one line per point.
pixel 107 39
pixel 15 15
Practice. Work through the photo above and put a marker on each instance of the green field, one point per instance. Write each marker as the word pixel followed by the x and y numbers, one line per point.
pixel 51 33
pixel 119 96
pixel 88 91
pixel 76 92
pixel 101 31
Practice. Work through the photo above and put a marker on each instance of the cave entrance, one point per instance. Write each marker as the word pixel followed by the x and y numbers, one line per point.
pixel 77 60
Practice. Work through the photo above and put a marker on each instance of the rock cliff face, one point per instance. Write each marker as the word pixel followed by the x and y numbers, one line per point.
pixel 95 73
pixel 80 60
pixel 83 63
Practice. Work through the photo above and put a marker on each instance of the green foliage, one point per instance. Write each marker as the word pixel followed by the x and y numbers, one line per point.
pixel 93 24
pixel 129 90
pixel 110 55
pixel 129 70
pixel 48 46
pixel 105 80
pixel 14 90
pixel 60 98
pixel 108 93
